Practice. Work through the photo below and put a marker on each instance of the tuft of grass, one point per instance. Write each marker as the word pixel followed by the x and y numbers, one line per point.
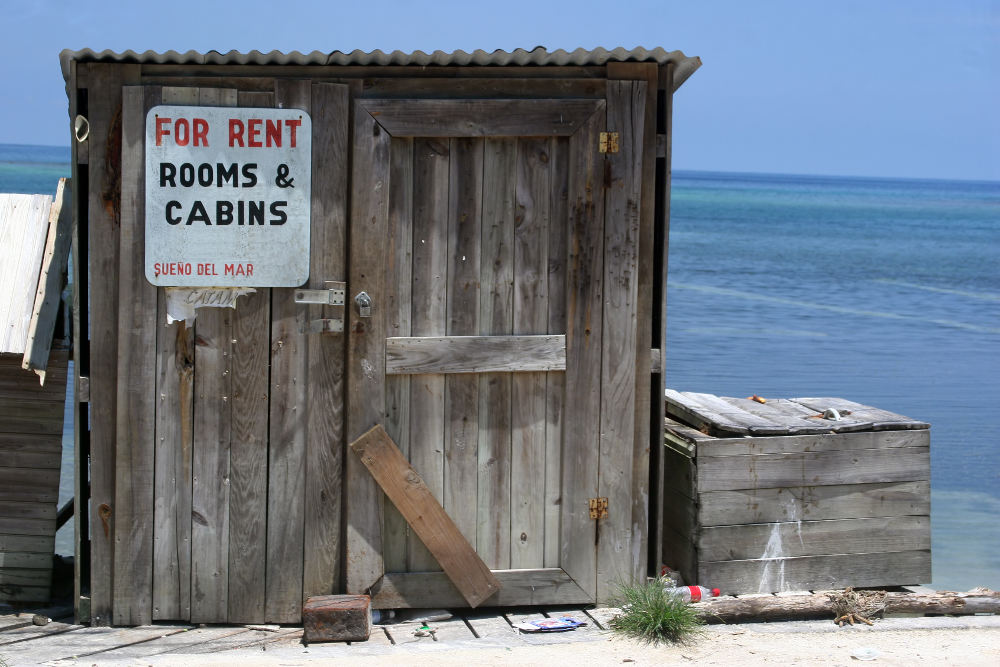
pixel 653 616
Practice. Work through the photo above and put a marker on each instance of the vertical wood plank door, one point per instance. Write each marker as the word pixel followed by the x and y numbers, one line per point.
pixel 231 429
pixel 498 245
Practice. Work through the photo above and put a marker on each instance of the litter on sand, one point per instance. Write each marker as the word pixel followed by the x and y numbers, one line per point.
pixel 561 624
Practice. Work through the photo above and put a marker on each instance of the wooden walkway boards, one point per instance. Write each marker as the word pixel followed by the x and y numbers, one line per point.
pixel 61 642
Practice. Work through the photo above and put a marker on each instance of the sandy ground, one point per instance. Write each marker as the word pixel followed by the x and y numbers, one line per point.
pixel 903 642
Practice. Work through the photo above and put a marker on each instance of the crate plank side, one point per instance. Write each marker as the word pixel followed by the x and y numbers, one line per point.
pixel 30 417
pixel 287 430
pixel 812 538
pixel 584 288
pixel 370 164
pixel 29 484
pixel 247 564
pixel 812 443
pixel 680 553
pixel 680 514
pixel 496 318
pixel 621 553
pixel 136 419
pixel 835 501
pixel 555 382
pixel 104 92
pixel 325 397
pixel 432 159
pixel 531 222
pixel 399 278
pixel 461 400
pixel 862 466
pixel 680 473
pixel 817 572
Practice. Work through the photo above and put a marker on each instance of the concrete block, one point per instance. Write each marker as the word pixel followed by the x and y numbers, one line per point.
pixel 337 618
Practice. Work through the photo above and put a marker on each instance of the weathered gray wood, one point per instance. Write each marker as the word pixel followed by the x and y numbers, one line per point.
pixel 480 118
pixel 41 327
pixel 828 572
pixel 707 410
pixel 180 642
pixel 25 415
pixel 22 525
pixel 429 295
pixel 584 328
pixel 134 492
pixel 811 538
pixel 643 442
pixel 15 383
pixel 877 418
pixel 555 382
pixel 243 640
pixel 30 484
pixel 826 442
pixel 399 274
pixel 77 278
pixel 838 501
pixel 104 101
pixel 517 587
pixel 26 543
pixel 287 430
pixel 404 87
pixel 496 318
pixel 82 642
pixel 617 557
pixel 426 516
pixel 248 451
pixel 531 224
pixel 23 630
pixel 861 466
pixel 798 419
pixel 19 450
pixel 474 354
pixel 325 398
pixel 366 345
pixel 461 399
pixel 821 605
pixel 679 553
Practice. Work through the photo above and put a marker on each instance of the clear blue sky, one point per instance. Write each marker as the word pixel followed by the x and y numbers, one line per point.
pixel 906 88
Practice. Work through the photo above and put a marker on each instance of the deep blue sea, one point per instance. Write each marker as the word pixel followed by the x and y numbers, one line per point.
pixel 882 291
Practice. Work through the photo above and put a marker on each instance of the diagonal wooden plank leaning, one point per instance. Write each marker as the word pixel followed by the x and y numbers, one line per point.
pixel 426 516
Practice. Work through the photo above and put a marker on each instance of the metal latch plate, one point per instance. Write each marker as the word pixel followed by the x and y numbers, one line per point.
pixel 332 296
pixel 598 508
pixel 324 326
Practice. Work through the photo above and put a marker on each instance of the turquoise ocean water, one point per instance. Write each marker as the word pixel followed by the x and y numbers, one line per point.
pixel 886 292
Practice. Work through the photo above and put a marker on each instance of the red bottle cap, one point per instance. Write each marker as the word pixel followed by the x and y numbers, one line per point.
pixel 715 592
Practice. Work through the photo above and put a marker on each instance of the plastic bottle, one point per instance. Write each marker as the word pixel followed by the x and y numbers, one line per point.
pixel 693 593
pixel 382 616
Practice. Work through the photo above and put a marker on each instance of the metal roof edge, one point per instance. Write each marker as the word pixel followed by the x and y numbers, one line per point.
pixel 538 56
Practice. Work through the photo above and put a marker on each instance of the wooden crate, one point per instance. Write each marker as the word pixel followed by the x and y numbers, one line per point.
pixel 774 497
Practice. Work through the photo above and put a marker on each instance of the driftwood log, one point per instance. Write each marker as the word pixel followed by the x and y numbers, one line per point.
pixel 822 605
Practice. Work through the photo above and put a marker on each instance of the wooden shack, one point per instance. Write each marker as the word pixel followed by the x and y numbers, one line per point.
pixel 486 280
pixel 795 494
pixel 34 242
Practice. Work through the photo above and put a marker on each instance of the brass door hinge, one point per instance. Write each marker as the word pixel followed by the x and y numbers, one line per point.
pixel 598 508
pixel 608 142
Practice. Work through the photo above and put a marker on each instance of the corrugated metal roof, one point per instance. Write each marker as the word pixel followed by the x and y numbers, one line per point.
pixel 24 225
pixel 538 56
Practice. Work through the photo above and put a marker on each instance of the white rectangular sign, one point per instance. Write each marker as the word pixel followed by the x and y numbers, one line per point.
pixel 227 196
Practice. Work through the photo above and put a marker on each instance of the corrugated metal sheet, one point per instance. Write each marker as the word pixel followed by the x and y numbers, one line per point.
pixel 24 225
pixel 539 56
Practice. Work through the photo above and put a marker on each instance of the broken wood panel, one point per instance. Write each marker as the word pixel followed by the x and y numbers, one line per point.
pixel 812 443
pixel 325 397
pixel 135 444
pixel 461 400
pixel 818 572
pixel 399 272
pixel 496 319
pixel 104 90
pixel 370 188
pixel 248 452
pixel 430 522
pixel 837 501
pixel 531 224
pixel 810 538
pixel 861 466
pixel 555 381
pixel 623 196
pixel 517 587
pixel 287 429
pixel 474 354
pixel 480 118
pixel 584 332
pixel 429 318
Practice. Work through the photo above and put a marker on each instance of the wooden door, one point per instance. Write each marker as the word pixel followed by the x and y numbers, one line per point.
pixel 498 244
pixel 228 448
